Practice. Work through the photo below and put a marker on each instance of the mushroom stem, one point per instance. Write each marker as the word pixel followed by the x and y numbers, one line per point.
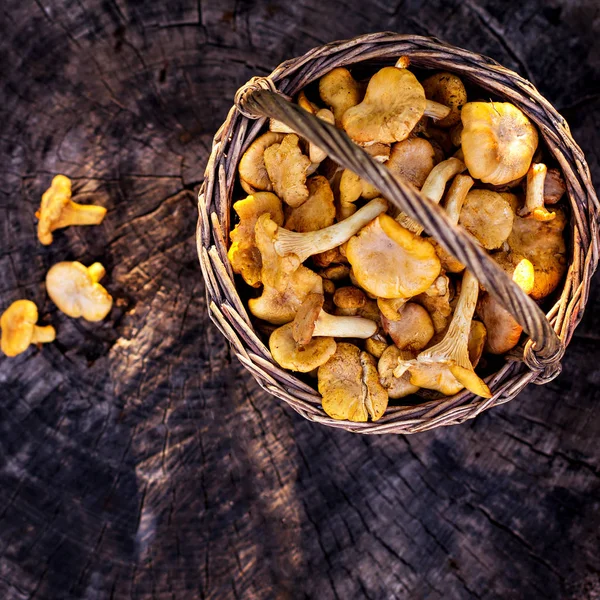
pixel 446 366
pixel 43 335
pixel 306 244
pixel 436 111
pixel 96 271
pixel 80 214
pixel 455 198
pixel 534 199
pixel 347 327
pixel 434 188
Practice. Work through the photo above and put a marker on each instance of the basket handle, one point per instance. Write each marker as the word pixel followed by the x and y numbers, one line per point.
pixel 258 98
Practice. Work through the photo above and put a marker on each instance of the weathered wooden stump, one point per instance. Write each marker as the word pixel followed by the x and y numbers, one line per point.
pixel 136 459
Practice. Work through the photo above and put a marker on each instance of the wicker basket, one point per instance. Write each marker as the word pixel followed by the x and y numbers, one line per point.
pixel 535 361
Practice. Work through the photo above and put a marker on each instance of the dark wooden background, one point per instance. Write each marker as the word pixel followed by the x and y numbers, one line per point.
pixel 137 460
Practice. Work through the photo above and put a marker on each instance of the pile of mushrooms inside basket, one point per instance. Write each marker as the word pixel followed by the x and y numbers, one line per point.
pixel 354 293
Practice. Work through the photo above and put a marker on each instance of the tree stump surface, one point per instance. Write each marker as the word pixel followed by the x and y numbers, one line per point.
pixel 137 459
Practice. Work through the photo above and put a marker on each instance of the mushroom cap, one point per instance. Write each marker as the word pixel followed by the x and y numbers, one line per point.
pixel 477 340
pixel 303 325
pixel 288 354
pixel 449 90
pixel 543 244
pixel 317 212
pixel 392 106
pixel 554 186
pixel 413 330
pixel 349 297
pixel 498 141
pixel 350 386
pixel 252 168
pixel 397 387
pixel 243 254
pixel 447 378
pixel 389 261
pixel 503 332
pixel 376 345
pixel 17 324
pixel 352 187
pixel 339 90
pixel 306 104
pixel 286 282
pixel 74 291
pixel 488 216
pixel 412 160
pixel 436 300
pixel 54 200
pixel 287 168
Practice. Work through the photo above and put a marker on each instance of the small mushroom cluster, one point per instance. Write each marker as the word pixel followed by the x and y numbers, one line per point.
pixel 355 293
pixel 74 288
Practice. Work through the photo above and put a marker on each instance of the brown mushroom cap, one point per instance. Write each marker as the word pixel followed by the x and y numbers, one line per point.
pixel 76 292
pixel 243 254
pixel 449 90
pixel 503 332
pixel 339 90
pixel 487 216
pixel 287 169
pixel 286 282
pixel 498 141
pixel 290 355
pixel 392 106
pixel 252 168
pixel 412 160
pixel 554 186
pixel 389 261
pixel 397 387
pixel 413 330
pixel 317 212
pixel 436 300
pixel 303 325
pixel 350 386
pixel 19 329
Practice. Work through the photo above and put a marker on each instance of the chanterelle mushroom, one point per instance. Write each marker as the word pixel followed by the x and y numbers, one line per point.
pixel 74 288
pixel 317 212
pixel 412 160
pixel 243 254
pixel 446 367
pixel 392 105
pixel 339 90
pixel 448 89
pixel 434 188
pixel 252 170
pixel 436 300
pixel 397 387
pixel 306 244
pixel 488 216
pixel 455 199
pixel 498 141
pixel 534 199
pixel 389 261
pixel 58 211
pixel 287 168
pixel 312 321
pixel 412 330
pixel 542 243
pixel 19 329
pixel 286 281
pixel 290 355
pixel 350 386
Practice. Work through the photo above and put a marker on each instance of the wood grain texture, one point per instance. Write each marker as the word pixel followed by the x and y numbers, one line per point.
pixel 137 460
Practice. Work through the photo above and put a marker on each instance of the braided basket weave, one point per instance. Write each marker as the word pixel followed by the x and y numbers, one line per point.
pixel 535 361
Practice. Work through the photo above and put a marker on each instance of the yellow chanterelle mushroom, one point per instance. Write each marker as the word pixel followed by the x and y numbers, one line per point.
pixel 58 211
pixel 498 141
pixel 19 329
pixel 74 288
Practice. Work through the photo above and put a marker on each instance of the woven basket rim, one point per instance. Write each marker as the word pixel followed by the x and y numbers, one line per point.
pixel 214 203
